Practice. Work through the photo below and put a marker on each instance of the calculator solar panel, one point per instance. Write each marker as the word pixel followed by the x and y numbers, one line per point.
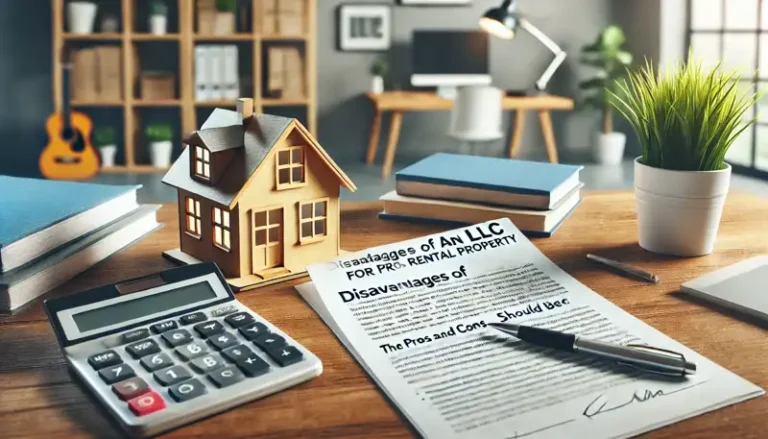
pixel 181 349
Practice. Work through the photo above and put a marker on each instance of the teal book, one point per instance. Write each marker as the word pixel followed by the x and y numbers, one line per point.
pixel 38 216
pixel 489 180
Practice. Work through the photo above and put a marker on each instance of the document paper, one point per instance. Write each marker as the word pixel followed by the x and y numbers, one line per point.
pixel 415 315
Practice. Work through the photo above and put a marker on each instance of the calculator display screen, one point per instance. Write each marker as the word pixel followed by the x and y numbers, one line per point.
pixel 147 305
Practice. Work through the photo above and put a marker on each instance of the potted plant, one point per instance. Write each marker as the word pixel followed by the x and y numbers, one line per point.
pixel 685 121
pixel 104 139
pixel 225 17
pixel 81 16
pixel 379 70
pixel 160 145
pixel 611 61
pixel 158 17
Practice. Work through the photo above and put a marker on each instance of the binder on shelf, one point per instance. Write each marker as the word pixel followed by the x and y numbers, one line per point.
pixel 231 77
pixel 276 66
pixel 202 78
pixel 214 66
pixel 109 67
pixel 84 84
pixel 293 81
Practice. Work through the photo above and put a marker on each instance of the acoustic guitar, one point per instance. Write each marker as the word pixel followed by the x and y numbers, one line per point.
pixel 69 154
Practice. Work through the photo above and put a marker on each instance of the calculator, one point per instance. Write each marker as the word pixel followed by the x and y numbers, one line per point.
pixel 168 349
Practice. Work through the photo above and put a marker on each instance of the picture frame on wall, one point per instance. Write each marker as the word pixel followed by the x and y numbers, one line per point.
pixel 434 2
pixel 364 27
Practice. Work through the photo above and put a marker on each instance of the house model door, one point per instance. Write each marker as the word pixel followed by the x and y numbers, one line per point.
pixel 267 248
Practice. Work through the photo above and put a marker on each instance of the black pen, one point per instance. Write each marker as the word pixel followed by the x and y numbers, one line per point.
pixel 647 358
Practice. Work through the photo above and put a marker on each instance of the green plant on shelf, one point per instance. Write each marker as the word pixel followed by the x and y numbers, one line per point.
pixel 610 60
pixel 158 7
pixel 159 132
pixel 687 118
pixel 226 5
pixel 380 67
pixel 103 136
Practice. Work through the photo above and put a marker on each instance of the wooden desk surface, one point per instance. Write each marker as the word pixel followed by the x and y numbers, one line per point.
pixel 38 398
pixel 429 101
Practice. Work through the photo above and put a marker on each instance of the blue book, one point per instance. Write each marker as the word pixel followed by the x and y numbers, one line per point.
pixel 489 180
pixel 38 216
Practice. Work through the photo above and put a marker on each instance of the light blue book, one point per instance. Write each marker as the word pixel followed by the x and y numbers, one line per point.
pixel 489 180
pixel 38 216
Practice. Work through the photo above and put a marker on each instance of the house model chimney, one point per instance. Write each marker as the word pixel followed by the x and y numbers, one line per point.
pixel 244 109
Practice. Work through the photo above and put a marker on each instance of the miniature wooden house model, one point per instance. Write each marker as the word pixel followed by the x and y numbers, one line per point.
pixel 257 195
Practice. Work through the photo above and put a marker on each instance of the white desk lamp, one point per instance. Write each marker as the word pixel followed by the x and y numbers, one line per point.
pixel 503 23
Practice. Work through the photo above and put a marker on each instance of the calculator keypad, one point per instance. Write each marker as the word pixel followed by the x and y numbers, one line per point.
pixel 215 358
pixel 113 374
pixel 143 348
pixel 172 375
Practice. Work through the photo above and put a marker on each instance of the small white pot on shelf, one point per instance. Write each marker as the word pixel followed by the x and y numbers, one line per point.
pixel 81 17
pixel 158 24
pixel 108 153
pixel 160 153
pixel 377 84
pixel 609 148
pixel 109 24
pixel 679 212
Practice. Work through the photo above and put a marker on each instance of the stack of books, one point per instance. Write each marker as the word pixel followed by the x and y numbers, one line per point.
pixel 51 231
pixel 461 189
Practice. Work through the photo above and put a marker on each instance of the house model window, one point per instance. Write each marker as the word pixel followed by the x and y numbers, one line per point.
pixel 202 162
pixel 313 220
pixel 290 167
pixel 193 217
pixel 221 235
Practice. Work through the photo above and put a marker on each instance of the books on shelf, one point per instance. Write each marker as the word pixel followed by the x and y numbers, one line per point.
pixel 285 73
pixel 97 74
pixel 45 223
pixel 217 70
pixel 283 17
pixel 461 189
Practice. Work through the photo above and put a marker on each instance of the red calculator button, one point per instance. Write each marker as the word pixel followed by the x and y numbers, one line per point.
pixel 146 404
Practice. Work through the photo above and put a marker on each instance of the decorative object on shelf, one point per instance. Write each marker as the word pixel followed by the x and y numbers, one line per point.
pixel 97 74
pixel 104 139
pixel 158 86
pixel 434 2
pixel 378 70
pixel 364 27
pixel 110 23
pixel 504 21
pixel 160 136
pixel 158 17
pixel 206 16
pixel 610 60
pixel 81 17
pixel 225 17
pixel 282 80
pixel 685 121
pixel 69 154
pixel 258 196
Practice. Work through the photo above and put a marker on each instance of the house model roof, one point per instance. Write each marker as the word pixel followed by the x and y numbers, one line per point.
pixel 251 141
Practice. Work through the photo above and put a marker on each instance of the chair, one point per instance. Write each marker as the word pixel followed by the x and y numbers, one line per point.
pixel 476 115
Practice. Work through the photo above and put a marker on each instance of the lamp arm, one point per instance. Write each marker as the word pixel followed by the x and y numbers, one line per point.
pixel 560 54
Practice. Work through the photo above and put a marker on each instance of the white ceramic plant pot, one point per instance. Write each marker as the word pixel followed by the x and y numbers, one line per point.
pixel 679 212
pixel 377 84
pixel 158 24
pixel 160 153
pixel 108 155
pixel 224 23
pixel 81 17
pixel 609 148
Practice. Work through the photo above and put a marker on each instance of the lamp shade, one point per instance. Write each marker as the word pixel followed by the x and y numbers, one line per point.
pixel 501 21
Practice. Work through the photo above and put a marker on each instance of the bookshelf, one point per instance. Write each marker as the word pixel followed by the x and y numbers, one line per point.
pixel 181 39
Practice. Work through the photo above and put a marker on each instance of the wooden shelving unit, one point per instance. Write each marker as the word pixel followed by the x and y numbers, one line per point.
pixel 183 38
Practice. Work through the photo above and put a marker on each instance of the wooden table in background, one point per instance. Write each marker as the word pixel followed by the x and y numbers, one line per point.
pixel 38 398
pixel 398 102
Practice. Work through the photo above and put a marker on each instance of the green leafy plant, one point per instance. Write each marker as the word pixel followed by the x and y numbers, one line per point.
pixel 158 7
pixel 159 132
pixel 687 118
pixel 103 136
pixel 226 5
pixel 610 60
pixel 380 67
